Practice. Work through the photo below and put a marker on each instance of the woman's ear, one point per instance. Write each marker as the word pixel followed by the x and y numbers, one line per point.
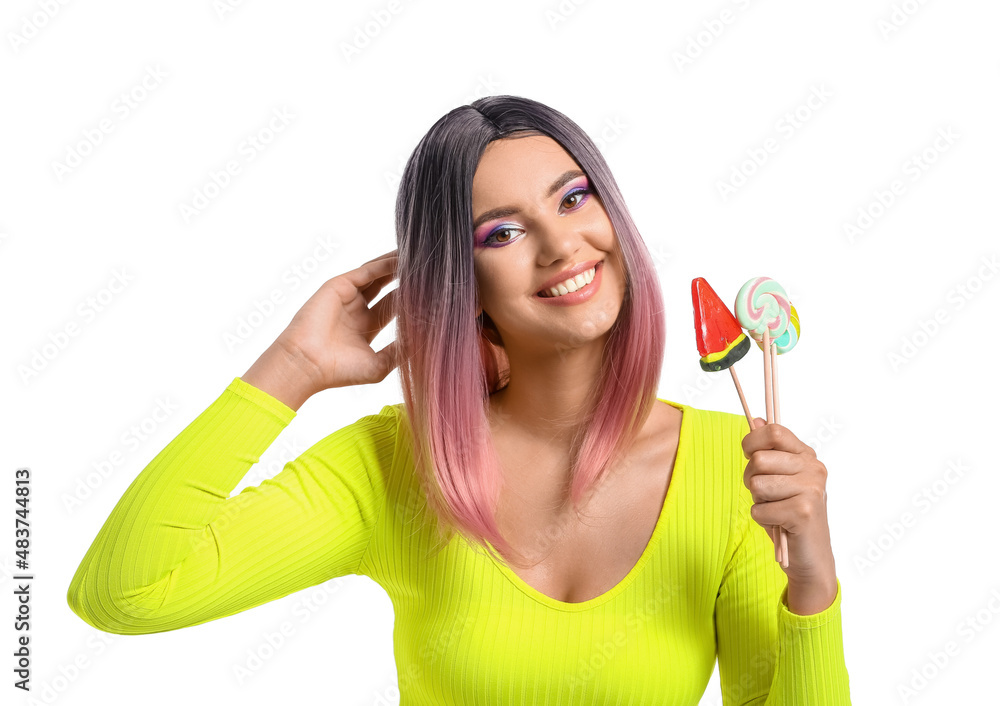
pixel 489 329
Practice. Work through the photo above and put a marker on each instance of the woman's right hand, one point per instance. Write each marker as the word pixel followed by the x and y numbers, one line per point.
pixel 327 343
pixel 331 334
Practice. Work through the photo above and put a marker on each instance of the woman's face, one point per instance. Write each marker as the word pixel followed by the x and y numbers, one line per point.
pixel 552 221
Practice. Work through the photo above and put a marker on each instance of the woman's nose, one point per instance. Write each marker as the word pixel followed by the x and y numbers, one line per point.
pixel 558 238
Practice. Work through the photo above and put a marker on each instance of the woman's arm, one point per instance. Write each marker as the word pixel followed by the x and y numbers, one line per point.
pixel 768 654
pixel 178 551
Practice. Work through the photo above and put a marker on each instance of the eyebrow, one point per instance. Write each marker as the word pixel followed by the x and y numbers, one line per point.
pixel 505 211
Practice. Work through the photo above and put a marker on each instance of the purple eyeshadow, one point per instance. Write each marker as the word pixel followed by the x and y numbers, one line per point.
pixel 487 229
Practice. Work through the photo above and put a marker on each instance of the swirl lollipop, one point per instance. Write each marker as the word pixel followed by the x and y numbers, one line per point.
pixel 786 341
pixel 763 309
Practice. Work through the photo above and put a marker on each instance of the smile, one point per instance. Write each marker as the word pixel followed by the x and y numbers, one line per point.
pixel 571 285
pixel 576 289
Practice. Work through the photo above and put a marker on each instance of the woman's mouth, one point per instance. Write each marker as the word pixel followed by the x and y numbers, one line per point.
pixel 584 286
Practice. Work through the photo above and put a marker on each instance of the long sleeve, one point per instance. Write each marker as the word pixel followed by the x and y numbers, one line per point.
pixel 178 551
pixel 769 656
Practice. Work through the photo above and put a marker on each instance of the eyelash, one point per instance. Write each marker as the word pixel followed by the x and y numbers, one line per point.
pixel 583 191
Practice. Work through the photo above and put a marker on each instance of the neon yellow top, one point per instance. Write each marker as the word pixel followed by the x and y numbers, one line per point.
pixel 178 551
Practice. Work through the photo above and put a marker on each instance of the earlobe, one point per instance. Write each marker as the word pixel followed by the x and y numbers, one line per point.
pixel 493 337
pixel 488 328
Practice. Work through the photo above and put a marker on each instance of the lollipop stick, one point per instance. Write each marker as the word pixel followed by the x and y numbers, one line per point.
pixel 774 381
pixel 769 403
pixel 783 556
pixel 743 400
pixel 777 533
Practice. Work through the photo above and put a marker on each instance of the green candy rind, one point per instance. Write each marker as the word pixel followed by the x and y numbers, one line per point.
pixel 738 351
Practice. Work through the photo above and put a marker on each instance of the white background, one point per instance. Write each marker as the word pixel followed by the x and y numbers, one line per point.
pixel 888 396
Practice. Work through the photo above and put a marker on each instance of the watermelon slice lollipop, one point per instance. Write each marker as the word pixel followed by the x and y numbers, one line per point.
pixel 721 341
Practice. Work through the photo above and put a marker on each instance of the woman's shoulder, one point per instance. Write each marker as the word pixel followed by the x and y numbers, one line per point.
pixel 711 445
pixel 709 423
pixel 368 438
pixel 712 460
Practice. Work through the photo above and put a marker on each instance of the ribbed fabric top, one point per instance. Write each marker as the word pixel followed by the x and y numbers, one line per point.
pixel 178 551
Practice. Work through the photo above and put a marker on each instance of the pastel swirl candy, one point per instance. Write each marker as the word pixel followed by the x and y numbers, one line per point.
pixel 763 304
pixel 790 337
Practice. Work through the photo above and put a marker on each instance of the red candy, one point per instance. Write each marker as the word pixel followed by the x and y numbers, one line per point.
pixel 721 341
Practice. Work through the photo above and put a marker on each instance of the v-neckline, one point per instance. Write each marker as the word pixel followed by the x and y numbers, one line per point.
pixel 680 461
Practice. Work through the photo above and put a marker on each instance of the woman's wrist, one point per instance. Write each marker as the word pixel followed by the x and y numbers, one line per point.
pixel 279 374
pixel 813 596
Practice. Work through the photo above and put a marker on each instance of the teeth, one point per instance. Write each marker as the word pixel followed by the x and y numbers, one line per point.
pixel 573 284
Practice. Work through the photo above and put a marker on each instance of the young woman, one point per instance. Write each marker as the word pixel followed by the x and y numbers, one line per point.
pixel 549 531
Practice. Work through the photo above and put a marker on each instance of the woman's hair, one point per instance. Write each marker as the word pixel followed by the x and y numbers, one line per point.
pixel 448 367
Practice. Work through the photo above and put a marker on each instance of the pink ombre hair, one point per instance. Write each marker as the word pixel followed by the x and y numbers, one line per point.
pixel 448 368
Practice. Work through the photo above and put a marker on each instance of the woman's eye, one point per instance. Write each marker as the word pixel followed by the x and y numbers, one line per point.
pixel 495 236
pixel 504 234
pixel 581 194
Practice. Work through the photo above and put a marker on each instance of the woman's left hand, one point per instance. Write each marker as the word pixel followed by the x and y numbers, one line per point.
pixel 788 486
